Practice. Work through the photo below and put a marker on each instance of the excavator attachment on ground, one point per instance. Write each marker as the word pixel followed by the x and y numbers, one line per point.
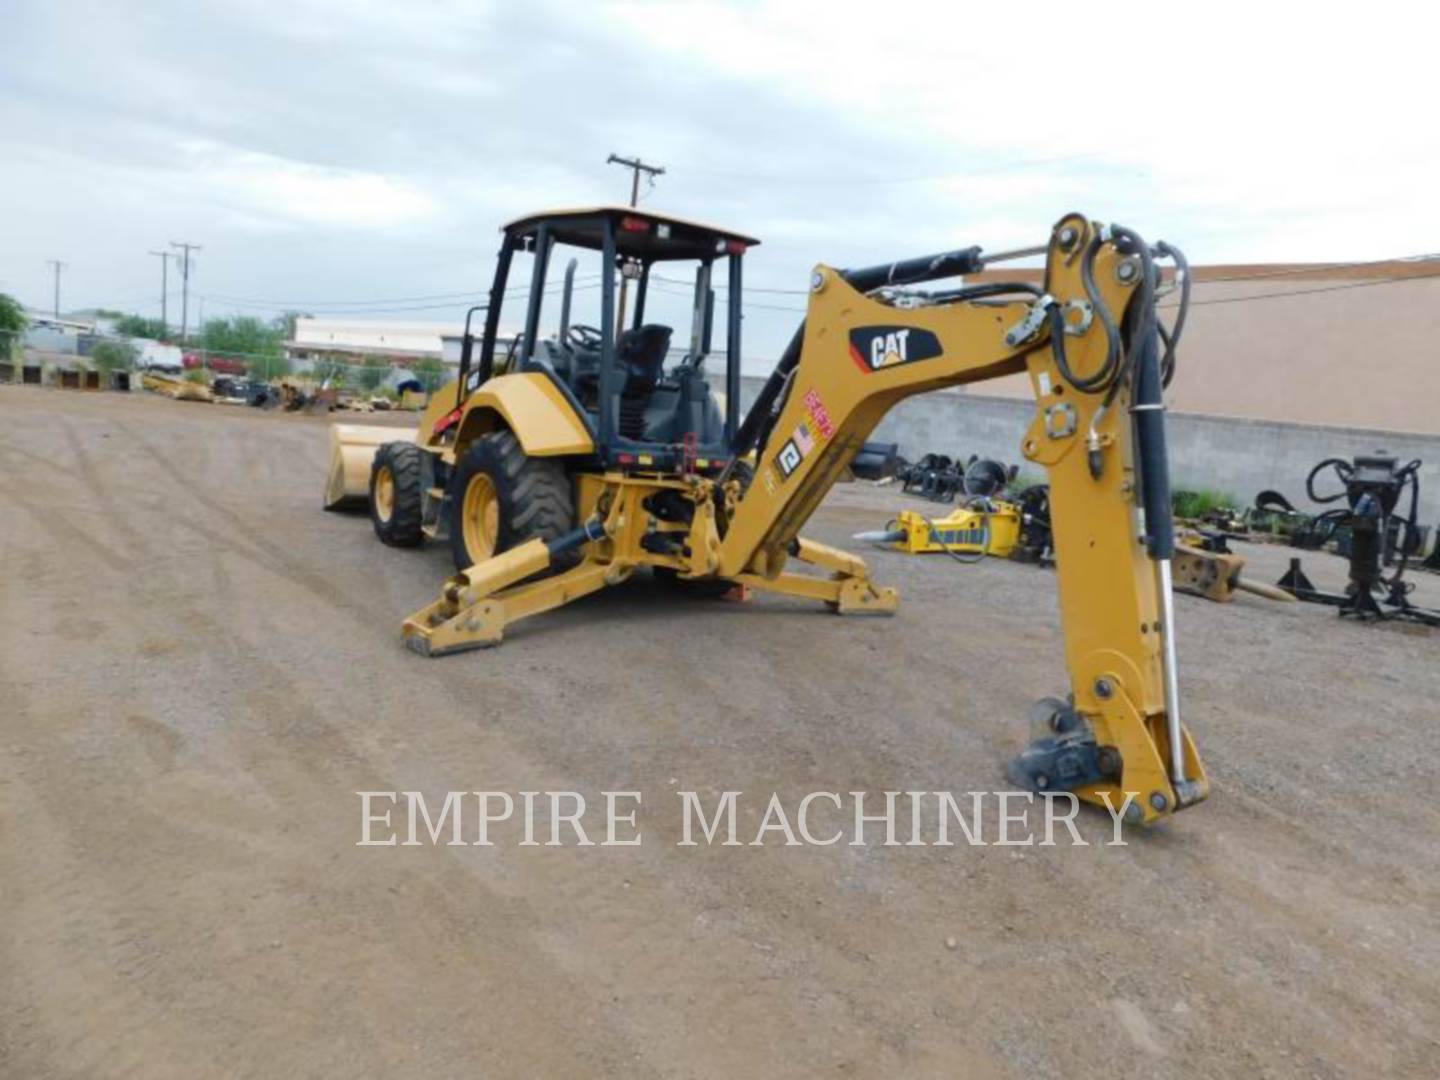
pixel 580 458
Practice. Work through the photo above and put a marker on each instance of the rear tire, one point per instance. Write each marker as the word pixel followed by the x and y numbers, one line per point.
pixel 500 498
pixel 396 489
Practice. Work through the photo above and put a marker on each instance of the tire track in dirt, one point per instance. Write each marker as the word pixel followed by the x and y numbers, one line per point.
pixel 296 758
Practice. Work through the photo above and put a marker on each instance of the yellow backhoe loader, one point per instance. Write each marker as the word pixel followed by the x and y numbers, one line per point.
pixel 557 464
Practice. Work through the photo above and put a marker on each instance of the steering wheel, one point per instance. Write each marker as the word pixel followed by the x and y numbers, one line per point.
pixel 584 337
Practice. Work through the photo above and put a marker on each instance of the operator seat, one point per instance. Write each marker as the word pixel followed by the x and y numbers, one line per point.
pixel 641 353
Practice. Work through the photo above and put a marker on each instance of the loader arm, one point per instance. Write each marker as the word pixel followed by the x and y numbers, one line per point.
pixel 856 356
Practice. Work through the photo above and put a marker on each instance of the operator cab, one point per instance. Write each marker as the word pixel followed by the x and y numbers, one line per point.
pixel 627 333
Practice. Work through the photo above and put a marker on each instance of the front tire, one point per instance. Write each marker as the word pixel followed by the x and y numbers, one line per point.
pixel 500 498
pixel 396 488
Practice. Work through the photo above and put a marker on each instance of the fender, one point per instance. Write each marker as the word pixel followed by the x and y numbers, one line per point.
pixel 528 403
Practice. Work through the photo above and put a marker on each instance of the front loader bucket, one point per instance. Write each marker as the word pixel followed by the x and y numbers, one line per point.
pixel 352 449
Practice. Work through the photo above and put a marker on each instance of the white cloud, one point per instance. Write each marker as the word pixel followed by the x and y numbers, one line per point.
pixel 1246 109
pixel 381 144
pixel 301 192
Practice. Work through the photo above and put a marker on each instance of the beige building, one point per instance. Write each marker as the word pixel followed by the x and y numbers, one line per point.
pixel 1349 345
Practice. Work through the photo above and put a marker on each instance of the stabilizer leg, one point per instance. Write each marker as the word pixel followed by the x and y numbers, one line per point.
pixel 848 590
pixel 476 605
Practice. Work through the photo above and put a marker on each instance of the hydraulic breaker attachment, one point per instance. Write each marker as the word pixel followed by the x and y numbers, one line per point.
pixel 1214 575
pixel 1205 566
pixel 986 528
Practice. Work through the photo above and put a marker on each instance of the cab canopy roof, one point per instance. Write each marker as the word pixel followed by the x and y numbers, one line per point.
pixel 639 234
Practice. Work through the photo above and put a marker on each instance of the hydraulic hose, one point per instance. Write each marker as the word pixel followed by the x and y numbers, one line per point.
pixel 755 428
pixel 1171 338
pixel 978 556
pixel 1104 377
pixel 1343 470
pixel 1119 367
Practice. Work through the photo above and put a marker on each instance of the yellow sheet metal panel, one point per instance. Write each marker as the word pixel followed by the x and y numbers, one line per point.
pixel 534 409
pixel 440 404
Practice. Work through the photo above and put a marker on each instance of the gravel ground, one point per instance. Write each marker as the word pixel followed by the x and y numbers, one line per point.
pixel 201 669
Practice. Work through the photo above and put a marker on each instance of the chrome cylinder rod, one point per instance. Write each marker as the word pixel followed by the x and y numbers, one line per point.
pixel 1172 678
pixel 987 257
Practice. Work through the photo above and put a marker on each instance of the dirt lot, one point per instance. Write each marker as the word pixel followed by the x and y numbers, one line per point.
pixel 201 669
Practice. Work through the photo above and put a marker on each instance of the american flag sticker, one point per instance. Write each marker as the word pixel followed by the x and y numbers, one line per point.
pixel 803 439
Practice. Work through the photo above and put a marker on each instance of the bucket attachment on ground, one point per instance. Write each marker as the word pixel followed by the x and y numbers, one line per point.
pixel 352 449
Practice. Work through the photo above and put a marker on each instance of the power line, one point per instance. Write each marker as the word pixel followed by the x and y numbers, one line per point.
pixel 749 304
pixel 362 304
pixel 448 306
pixel 831 180
pixel 222 297
pixel 1300 292
pixel 1320 268
pixel 748 288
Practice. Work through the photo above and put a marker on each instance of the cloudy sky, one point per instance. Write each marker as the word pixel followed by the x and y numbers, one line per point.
pixel 349 155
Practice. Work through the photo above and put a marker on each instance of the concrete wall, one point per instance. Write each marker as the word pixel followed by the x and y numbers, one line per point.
pixel 1241 457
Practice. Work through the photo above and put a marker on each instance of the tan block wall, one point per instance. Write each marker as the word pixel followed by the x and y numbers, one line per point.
pixel 1356 350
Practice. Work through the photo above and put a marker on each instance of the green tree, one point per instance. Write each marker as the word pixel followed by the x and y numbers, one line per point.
pixel 372 373
pixel 247 338
pixel 12 325
pixel 285 324
pixel 114 355
pixel 268 367
pixel 137 326
pixel 431 373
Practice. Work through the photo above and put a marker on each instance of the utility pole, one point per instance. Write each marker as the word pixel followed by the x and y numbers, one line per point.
pixel 636 167
pixel 184 284
pixel 164 257
pixel 58 265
